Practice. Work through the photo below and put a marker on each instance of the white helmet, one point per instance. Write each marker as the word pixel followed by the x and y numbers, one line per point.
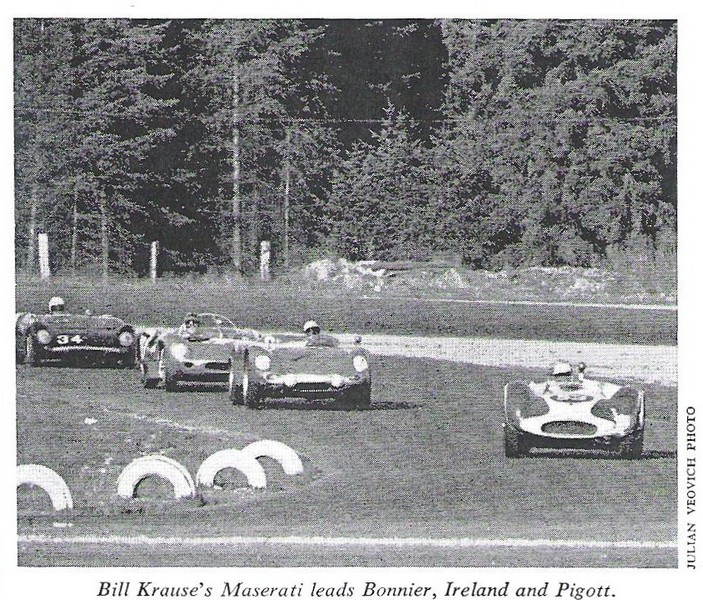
pixel 311 326
pixel 56 304
pixel 561 368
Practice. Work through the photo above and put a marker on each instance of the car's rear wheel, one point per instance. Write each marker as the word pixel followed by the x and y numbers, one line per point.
pixel 515 446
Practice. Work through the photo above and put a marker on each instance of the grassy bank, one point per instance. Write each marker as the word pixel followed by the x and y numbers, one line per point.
pixel 282 304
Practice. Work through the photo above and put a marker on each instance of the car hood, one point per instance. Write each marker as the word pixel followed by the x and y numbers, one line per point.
pixel 206 349
pixel 81 323
pixel 313 359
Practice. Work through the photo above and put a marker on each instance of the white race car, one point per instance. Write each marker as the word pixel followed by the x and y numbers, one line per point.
pixel 572 412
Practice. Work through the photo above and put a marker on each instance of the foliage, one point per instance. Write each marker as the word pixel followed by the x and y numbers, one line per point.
pixel 505 142
pixel 378 205
pixel 564 133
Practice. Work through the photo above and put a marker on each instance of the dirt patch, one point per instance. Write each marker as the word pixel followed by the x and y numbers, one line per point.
pixel 649 364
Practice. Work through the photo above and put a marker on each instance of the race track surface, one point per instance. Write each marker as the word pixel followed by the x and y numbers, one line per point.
pixel 419 480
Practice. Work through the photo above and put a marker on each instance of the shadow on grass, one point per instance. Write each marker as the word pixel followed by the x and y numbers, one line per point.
pixel 81 365
pixel 601 455
pixel 332 405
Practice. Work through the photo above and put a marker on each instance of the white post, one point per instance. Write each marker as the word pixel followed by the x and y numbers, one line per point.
pixel 154 261
pixel 265 265
pixel 44 270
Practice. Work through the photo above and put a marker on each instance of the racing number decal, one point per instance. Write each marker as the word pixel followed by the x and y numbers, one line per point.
pixel 66 339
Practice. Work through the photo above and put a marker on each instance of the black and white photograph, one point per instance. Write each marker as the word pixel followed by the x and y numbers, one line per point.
pixel 311 292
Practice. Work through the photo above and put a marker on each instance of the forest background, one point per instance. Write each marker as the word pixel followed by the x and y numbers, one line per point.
pixel 490 143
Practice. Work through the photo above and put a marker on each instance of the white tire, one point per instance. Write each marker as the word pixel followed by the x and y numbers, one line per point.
pixel 231 459
pixel 155 464
pixel 285 455
pixel 50 481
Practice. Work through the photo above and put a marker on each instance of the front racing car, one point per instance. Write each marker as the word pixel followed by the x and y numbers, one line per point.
pixel 78 339
pixel 292 366
pixel 573 413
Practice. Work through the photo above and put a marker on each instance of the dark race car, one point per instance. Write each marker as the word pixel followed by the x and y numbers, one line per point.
pixel 296 366
pixel 200 356
pixel 573 413
pixel 74 339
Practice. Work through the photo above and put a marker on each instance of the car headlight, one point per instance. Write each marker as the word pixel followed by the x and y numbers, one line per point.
pixel 262 362
pixel 126 338
pixel 43 336
pixel 179 351
pixel 360 363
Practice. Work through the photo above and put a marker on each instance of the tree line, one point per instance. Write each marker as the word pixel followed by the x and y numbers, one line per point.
pixel 502 142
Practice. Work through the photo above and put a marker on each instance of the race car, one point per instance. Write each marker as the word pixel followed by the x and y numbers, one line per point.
pixel 196 353
pixel 74 339
pixel 569 411
pixel 297 366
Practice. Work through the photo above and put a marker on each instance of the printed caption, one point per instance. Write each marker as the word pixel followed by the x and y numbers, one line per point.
pixel 369 589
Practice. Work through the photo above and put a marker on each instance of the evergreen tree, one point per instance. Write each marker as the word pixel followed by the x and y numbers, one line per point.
pixel 243 73
pixel 569 130
pixel 379 202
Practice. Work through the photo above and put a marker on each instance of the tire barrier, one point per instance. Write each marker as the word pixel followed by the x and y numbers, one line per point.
pixel 50 481
pixel 285 455
pixel 159 465
pixel 235 459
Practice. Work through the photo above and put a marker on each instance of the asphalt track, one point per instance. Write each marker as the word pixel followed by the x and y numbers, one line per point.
pixel 419 480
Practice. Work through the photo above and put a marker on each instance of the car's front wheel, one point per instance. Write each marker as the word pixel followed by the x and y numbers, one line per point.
pixel 167 378
pixel 30 351
pixel 515 446
pixel 148 380
pixel 254 395
pixel 357 398
pixel 632 445
pixel 237 385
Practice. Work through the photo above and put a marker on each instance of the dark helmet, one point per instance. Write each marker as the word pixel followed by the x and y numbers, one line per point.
pixel 191 319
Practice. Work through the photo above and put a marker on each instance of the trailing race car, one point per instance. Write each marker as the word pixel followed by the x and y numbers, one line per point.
pixel 296 366
pixel 575 413
pixel 74 338
pixel 198 352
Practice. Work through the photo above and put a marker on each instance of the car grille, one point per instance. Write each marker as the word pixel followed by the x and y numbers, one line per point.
pixel 569 428
pixel 312 388
pixel 217 366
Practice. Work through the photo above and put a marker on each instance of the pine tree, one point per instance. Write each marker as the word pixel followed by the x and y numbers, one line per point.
pixel 379 203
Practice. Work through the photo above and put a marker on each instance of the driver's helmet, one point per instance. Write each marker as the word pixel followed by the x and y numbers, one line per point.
pixel 191 323
pixel 311 328
pixel 191 319
pixel 562 369
pixel 56 304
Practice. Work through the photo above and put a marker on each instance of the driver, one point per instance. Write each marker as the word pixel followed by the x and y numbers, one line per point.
pixel 190 325
pixel 56 305
pixel 314 337
pixel 311 329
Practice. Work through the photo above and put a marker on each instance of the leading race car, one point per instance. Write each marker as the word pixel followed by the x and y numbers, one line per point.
pixel 74 339
pixel 570 411
pixel 296 366
pixel 196 353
